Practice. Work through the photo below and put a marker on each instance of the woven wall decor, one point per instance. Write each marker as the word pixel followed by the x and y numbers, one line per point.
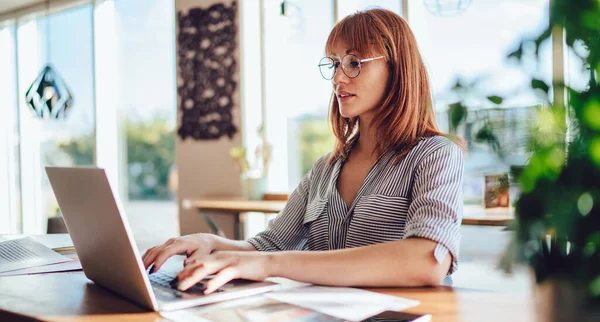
pixel 207 66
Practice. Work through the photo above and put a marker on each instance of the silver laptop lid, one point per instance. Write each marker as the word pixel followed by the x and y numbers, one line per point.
pixel 101 236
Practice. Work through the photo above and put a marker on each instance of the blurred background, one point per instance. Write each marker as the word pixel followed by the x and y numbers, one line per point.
pixel 119 61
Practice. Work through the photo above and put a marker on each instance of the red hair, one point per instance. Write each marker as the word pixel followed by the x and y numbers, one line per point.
pixel 405 114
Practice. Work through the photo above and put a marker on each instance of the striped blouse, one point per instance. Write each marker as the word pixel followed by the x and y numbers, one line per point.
pixel 419 197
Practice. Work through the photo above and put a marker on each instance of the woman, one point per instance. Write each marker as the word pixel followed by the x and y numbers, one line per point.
pixel 383 208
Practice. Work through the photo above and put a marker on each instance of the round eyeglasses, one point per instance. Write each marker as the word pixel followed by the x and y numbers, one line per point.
pixel 351 65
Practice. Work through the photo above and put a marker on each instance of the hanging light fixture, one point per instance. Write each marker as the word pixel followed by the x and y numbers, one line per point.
pixel 283 7
pixel 48 95
pixel 294 19
pixel 446 8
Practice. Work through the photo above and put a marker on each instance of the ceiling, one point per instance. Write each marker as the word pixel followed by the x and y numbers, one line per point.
pixel 11 5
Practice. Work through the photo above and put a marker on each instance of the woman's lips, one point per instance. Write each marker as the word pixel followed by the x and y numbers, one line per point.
pixel 343 98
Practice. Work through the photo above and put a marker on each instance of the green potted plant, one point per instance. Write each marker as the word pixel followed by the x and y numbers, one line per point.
pixel 557 225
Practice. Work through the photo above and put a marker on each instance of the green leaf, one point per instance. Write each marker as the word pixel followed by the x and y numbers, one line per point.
pixel 457 113
pixel 585 203
pixel 555 159
pixel 458 85
pixel 495 99
pixel 594 239
pixel 517 53
pixel 545 35
pixel 595 286
pixel 540 84
pixel 591 114
pixel 486 135
pixel 590 19
pixel 594 150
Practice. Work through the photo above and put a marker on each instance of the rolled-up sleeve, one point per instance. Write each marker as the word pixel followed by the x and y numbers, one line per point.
pixel 436 209
pixel 286 231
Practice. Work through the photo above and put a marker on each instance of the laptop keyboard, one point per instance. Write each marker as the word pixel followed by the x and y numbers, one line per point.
pixel 164 280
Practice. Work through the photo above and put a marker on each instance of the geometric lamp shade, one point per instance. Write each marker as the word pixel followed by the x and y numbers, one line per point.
pixel 48 95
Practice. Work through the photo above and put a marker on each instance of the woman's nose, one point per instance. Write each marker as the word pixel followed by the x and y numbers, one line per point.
pixel 339 76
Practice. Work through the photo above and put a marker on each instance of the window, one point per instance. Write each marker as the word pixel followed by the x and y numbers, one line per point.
pixel 9 176
pixel 87 44
pixel 297 97
pixel 146 104
pixel 474 43
pixel 347 7
pixel 137 42
pixel 64 40
pixel 296 123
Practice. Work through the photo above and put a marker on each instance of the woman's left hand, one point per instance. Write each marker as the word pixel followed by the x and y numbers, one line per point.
pixel 226 265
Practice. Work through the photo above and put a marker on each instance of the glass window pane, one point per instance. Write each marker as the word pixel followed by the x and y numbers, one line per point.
pixel 9 174
pixel 453 48
pixel 347 7
pixel 250 75
pixel 146 100
pixel 65 41
pixel 474 43
pixel 297 97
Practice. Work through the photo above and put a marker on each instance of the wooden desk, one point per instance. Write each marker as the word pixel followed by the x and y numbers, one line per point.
pixel 72 297
pixel 471 216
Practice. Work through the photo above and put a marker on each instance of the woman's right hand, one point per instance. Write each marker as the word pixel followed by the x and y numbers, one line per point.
pixel 193 246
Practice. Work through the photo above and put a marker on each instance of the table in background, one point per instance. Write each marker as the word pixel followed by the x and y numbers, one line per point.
pixel 237 207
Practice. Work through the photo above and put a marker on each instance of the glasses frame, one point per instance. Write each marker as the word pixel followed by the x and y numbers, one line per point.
pixel 360 62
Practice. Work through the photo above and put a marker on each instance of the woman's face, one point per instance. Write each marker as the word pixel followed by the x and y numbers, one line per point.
pixel 361 95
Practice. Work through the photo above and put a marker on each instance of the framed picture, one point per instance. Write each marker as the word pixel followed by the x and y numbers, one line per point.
pixel 496 191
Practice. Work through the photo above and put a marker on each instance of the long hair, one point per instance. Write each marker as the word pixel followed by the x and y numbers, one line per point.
pixel 405 114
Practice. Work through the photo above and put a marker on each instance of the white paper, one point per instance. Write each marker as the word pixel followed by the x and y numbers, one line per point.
pixel 257 308
pixel 286 282
pixel 24 253
pixel 51 241
pixel 343 302
pixel 72 265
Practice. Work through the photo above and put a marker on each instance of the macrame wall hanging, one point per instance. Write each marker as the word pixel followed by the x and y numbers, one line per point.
pixel 207 67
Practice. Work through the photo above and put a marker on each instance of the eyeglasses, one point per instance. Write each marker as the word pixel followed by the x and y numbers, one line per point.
pixel 350 65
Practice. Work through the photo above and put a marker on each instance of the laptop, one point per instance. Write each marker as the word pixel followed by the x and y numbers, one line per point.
pixel 107 251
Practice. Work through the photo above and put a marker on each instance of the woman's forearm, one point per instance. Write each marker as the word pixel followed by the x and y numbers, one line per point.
pixel 224 244
pixel 407 262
